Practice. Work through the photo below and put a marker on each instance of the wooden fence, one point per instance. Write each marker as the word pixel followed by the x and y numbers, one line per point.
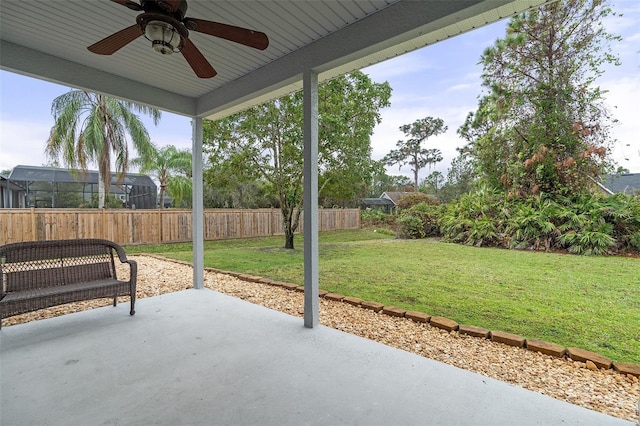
pixel 154 226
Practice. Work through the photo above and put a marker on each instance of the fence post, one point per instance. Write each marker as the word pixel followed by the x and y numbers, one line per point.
pixel 34 224
pixel 103 218
pixel 273 221
pixel 132 237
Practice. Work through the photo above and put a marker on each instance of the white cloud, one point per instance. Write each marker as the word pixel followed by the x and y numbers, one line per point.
pixel 629 10
pixel 400 66
pixel 624 103
pixel 458 87
pixel 172 130
pixel 22 142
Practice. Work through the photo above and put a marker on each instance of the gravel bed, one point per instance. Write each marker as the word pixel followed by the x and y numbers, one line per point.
pixel 602 390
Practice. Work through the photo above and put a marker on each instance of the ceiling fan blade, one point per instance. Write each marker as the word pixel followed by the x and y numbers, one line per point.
pixel 197 61
pixel 130 4
pixel 116 41
pixel 244 36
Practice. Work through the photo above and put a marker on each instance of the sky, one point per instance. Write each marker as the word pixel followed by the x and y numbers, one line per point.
pixel 441 80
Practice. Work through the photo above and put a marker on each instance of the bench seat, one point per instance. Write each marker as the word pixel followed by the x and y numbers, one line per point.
pixel 41 274
pixel 40 298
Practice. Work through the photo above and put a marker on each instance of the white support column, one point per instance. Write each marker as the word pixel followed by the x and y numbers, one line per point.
pixel 198 209
pixel 310 87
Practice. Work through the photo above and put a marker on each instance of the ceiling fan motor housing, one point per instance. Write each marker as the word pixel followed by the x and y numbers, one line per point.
pixel 163 6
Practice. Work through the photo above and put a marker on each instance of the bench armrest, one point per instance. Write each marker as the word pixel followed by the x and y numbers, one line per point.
pixel 133 270
pixel 133 265
pixel 121 254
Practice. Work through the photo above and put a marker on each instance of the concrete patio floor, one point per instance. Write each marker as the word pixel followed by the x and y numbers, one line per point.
pixel 201 357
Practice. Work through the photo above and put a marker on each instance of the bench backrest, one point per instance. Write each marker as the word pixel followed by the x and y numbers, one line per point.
pixel 40 264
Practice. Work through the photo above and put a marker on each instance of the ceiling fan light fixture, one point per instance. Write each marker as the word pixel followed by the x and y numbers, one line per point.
pixel 163 37
pixel 164 24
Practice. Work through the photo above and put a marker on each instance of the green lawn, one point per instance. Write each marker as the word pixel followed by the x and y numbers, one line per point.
pixel 587 302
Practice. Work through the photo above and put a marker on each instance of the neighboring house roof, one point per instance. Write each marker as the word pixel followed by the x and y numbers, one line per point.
pixel 377 202
pixel 395 196
pixel 627 183
pixel 12 185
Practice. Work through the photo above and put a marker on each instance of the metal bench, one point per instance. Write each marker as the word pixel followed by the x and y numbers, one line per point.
pixel 40 274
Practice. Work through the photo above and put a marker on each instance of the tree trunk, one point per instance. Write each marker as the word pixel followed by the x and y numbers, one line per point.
pixel 162 191
pixel 100 191
pixel 288 239
pixel 290 222
pixel 287 216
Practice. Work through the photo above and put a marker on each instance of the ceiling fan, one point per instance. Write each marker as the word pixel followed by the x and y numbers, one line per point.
pixel 163 22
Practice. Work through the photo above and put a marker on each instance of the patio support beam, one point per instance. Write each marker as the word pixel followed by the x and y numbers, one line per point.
pixel 198 205
pixel 310 87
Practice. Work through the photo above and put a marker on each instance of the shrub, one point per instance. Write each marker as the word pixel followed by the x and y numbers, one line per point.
pixel 410 226
pixel 531 223
pixel 584 224
pixel 599 225
pixel 110 202
pixel 623 213
pixel 415 198
pixel 377 218
pixel 483 232
pixel 420 221
pixel 588 242
pixel 475 219
pixel 634 241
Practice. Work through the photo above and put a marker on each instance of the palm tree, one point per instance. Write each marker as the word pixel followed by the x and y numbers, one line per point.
pixel 93 128
pixel 172 168
pixel 179 189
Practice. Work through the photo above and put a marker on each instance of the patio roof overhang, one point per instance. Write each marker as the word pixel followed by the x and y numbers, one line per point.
pixel 310 41
pixel 48 40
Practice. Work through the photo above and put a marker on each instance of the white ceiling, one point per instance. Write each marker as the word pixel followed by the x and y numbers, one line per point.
pixel 47 39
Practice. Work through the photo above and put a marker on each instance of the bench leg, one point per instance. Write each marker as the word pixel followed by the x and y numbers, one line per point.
pixel 115 300
pixel 133 302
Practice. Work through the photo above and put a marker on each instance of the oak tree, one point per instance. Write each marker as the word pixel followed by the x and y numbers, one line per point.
pixel 265 142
